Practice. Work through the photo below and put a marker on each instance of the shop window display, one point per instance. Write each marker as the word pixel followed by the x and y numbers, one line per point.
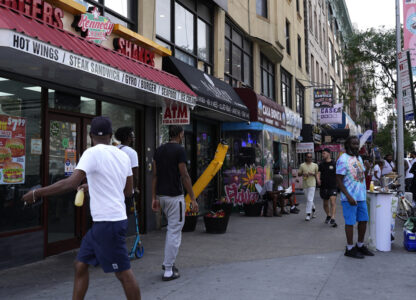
pixel 20 160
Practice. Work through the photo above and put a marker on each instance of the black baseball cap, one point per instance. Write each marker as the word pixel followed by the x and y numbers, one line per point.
pixel 101 126
pixel 326 150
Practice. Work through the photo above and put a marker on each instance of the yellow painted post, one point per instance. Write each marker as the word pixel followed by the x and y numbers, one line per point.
pixel 209 173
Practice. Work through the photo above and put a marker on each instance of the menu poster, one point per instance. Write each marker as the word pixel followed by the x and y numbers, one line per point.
pixel 12 149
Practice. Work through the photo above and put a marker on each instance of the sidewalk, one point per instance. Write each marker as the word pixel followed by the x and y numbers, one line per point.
pixel 258 258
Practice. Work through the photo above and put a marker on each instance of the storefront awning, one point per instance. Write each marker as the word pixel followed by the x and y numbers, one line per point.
pixel 212 93
pixel 263 109
pixel 41 51
pixel 254 126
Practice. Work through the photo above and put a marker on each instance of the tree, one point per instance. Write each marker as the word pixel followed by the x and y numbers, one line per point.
pixel 371 58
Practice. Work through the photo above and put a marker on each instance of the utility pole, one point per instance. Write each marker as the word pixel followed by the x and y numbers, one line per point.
pixel 399 95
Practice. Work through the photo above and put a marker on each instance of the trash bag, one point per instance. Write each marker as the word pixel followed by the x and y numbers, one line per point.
pixel 410 224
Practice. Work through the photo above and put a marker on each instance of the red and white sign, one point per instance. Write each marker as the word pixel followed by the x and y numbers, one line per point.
pixel 93 26
pixel 176 113
pixel 305 148
pixel 12 149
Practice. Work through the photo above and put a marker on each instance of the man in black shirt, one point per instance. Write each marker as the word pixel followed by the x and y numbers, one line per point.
pixel 169 173
pixel 328 190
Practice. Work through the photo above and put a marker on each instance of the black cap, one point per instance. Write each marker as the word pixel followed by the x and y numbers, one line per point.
pixel 326 150
pixel 101 126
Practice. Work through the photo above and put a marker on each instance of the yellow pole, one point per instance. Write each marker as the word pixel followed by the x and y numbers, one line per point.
pixel 209 173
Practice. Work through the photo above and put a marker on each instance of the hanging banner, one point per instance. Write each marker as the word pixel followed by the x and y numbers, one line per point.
pixel 323 98
pixel 331 115
pixel 304 147
pixel 12 149
pixel 409 30
pixel 407 84
pixel 176 114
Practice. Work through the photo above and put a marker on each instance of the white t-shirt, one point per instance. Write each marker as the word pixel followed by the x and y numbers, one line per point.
pixel 134 159
pixel 408 174
pixel 378 170
pixel 387 168
pixel 107 169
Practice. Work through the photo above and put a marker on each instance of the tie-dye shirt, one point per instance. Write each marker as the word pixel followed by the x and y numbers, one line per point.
pixel 354 178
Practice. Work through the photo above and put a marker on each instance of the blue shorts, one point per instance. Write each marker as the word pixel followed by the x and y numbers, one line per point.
pixel 354 214
pixel 105 245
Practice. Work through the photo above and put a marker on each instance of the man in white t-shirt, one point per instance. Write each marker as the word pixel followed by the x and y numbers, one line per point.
pixel 110 179
pixel 377 172
pixel 389 165
pixel 127 137
pixel 409 176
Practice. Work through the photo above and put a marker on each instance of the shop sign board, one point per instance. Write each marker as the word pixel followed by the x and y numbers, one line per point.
pixel 332 147
pixel 407 84
pixel 35 47
pixel 12 149
pixel 93 26
pixel 134 51
pixel 271 113
pixel 304 147
pixel 323 97
pixel 176 114
pixel 38 9
pixel 331 115
pixel 409 30
pixel 293 119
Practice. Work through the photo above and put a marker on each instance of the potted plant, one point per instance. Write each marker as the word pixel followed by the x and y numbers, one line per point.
pixel 216 222
pixel 191 219
pixel 252 208
pixel 224 205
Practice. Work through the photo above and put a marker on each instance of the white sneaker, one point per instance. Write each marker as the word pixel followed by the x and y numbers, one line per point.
pixel 308 217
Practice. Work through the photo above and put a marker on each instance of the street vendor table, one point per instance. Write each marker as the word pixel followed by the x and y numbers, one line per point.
pixel 381 219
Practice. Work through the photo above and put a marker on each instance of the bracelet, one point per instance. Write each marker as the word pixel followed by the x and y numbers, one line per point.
pixel 33 194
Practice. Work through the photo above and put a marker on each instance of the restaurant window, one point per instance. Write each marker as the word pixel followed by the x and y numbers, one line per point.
pixel 286 81
pixel 287 34
pixel 299 52
pixel 238 57
pixel 261 8
pixel 20 159
pixel 69 102
pixel 185 27
pixel 267 77
pixel 123 12
pixel 300 98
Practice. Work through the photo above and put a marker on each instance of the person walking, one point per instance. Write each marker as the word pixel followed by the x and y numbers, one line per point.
pixel 351 181
pixel 110 179
pixel 169 173
pixel 328 188
pixel 127 137
pixel 309 171
pixel 409 176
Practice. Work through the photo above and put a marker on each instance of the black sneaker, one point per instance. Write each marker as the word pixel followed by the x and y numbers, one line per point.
pixel 174 269
pixel 354 253
pixel 294 211
pixel 364 251
pixel 328 218
pixel 332 223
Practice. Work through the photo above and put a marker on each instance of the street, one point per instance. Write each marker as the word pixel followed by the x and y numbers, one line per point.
pixel 257 258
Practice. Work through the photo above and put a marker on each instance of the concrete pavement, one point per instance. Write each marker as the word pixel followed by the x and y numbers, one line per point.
pixel 258 258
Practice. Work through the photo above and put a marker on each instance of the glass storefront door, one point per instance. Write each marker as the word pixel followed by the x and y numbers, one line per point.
pixel 66 224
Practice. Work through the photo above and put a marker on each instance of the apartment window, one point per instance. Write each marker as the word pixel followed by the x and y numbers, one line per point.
pixel 324 39
pixel 122 12
pixel 299 51
pixel 286 82
pixel 331 54
pixel 320 33
pixel 310 17
pixel 300 98
pixel 185 27
pixel 315 20
pixel 322 76
pixel 261 8
pixel 312 69
pixel 306 55
pixel 267 77
pixel 317 73
pixel 332 82
pixel 326 78
pixel 238 57
pixel 297 6
pixel 330 17
pixel 338 95
pixel 336 63
pixel 287 34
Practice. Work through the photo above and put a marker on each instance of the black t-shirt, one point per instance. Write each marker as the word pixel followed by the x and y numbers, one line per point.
pixel 328 174
pixel 167 158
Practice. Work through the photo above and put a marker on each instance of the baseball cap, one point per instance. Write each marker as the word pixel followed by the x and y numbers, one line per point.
pixel 101 126
pixel 326 150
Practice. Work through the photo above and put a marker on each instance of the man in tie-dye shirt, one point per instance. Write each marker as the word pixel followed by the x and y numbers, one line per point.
pixel 351 182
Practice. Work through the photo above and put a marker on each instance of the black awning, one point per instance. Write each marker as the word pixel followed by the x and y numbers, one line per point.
pixel 212 93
